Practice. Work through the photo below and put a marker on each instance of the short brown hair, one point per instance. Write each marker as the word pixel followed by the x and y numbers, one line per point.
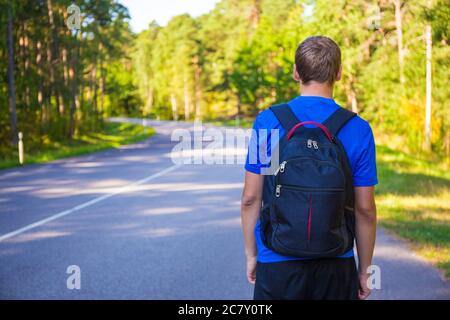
pixel 318 59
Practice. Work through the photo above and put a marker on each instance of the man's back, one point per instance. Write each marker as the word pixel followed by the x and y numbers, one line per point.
pixel 317 68
pixel 356 137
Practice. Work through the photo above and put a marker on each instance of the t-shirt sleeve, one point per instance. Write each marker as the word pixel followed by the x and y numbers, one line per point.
pixel 258 154
pixel 365 170
pixel 251 163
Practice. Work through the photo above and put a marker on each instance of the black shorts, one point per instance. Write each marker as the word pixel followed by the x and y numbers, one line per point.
pixel 322 279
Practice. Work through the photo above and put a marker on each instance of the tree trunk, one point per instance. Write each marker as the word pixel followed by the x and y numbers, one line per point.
pixel 27 73
pixel 102 89
pixel 447 144
pixel 398 25
pixel 238 106
pixel 74 94
pixel 351 94
pixel 93 89
pixel 65 68
pixel 173 101
pixel 61 107
pixel 51 53
pixel 255 13
pixel 54 34
pixel 428 88
pixel 64 81
pixel 186 101
pixel 198 90
pixel 19 58
pixel 11 85
pixel 149 102
pixel 26 69
pixel 72 101
pixel 40 93
pixel 102 81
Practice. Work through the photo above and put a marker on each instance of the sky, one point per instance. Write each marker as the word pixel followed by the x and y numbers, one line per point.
pixel 142 12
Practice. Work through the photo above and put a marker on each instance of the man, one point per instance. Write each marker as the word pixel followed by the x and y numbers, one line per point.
pixel 277 276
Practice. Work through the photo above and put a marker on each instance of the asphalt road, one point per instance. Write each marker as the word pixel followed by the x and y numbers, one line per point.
pixel 141 227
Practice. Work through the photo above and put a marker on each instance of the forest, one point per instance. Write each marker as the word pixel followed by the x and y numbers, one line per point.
pixel 58 83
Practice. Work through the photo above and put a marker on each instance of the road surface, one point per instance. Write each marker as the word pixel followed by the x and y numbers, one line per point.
pixel 139 226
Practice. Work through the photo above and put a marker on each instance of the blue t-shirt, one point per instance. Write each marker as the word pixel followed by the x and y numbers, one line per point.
pixel 356 136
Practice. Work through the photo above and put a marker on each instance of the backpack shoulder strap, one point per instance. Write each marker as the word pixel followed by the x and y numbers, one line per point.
pixel 337 120
pixel 285 116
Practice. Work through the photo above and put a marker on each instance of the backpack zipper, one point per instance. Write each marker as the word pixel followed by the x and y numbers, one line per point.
pixel 283 164
pixel 282 167
pixel 292 187
pixel 309 218
pixel 310 144
pixel 278 191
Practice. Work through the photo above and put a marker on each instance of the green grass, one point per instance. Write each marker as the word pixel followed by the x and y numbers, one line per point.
pixel 112 135
pixel 243 123
pixel 413 200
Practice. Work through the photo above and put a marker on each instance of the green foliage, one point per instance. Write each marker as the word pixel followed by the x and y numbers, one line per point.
pixel 246 52
pixel 232 62
pixel 66 81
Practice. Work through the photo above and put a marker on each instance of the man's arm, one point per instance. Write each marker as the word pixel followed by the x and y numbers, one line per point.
pixel 366 220
pixel 250 207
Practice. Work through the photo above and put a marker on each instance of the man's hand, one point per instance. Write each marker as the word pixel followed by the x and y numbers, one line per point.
pixel 366 224
pixel 250 206
pixel 251 270
pixel 364 290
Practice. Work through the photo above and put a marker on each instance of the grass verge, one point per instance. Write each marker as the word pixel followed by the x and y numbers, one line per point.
pixel 413 200
pixel 112 135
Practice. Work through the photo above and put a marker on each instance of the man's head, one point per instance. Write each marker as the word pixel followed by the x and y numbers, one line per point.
pixel 317 59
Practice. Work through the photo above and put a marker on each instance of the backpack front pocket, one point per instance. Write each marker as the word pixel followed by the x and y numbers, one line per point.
pixel 310 226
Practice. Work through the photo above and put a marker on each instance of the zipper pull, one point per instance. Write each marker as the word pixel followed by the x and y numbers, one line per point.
pixel 278 191
pixel 315 145
pixel 309 143
pixel 280 168
pixel 283 164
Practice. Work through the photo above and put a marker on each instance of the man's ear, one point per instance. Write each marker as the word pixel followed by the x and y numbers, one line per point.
pixel 295 74
pixel 339 74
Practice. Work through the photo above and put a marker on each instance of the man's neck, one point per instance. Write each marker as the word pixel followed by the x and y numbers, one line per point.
pixel 317 89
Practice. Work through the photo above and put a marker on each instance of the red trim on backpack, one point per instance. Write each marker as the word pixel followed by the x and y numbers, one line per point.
pixel 309 217
pixel 317 124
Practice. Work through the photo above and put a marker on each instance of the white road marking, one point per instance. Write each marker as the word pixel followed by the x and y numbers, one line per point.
pixel 88 203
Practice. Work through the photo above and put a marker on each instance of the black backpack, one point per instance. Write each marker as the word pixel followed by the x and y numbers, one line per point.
pixel 308 202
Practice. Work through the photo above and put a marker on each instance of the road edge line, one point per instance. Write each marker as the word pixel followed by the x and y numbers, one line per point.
pixel 89 203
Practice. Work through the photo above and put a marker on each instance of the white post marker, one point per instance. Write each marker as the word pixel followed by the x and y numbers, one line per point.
pixel 144 123
pixel 20 145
